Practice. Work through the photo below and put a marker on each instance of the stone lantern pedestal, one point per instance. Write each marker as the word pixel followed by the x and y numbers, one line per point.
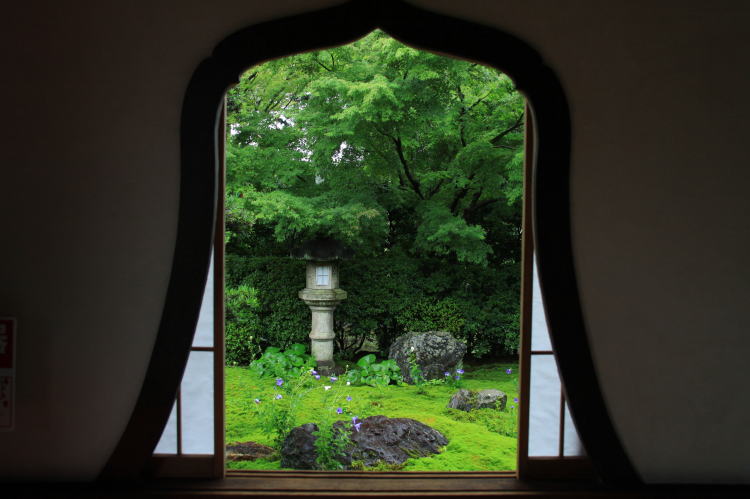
pixel 322 303
pixel 322 294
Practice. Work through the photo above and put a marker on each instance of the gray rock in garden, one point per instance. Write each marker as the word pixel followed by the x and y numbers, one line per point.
pixel 468 400
pixel 461 400
pixel 379 439
pixel 436 352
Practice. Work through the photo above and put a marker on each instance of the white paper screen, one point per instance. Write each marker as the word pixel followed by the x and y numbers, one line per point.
pixel 539 334
pixel 197 395
pixel 168 441
pixel 544 407
pixel 204 332
pixel 572 444
pixel 546 391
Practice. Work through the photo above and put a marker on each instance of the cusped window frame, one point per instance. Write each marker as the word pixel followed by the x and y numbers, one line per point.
pixel 199 146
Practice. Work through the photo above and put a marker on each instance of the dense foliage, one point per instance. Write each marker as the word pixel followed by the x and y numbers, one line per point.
pixel 388 295
pixel 413 160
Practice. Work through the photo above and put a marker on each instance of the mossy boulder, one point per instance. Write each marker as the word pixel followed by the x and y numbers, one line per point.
pixel 468 400
pixel 379 441
pixel 435 352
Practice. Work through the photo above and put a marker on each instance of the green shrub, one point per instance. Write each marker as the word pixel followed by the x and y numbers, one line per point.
pixel 283 319
pixel 432 315
pixel 378 291
pixel 290 363
pixel 242 325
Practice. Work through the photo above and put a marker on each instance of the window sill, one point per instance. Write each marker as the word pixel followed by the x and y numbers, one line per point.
pixel 359 484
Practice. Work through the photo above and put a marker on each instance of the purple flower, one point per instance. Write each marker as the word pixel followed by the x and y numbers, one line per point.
pixel 339 410
pixel 457 378
pixel 257 401
pixel 357 425
pixel 317 376
pixel 354 419
pixel 279 381
pixel 348 398
pixel 447 374
pixel 508 371
pixel 515 399
pixel 334 378
pixel 459 371
pixel 512 407
pixel 279 397
pixel 314 372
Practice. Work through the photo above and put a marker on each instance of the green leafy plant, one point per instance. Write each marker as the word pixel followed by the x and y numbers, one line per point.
pixel 292 362
pixel 332 437
pixel 377 374
pixel 415 373
pixel 455 379
pixel 278 415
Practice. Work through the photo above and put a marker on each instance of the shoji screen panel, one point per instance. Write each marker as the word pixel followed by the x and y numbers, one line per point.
pixel 192 441
pixel 551 432
pixel 549 446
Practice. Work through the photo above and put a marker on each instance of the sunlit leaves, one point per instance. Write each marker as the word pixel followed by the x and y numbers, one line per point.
pixel 379 145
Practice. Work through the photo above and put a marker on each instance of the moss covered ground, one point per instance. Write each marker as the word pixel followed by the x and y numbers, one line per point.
pixel 482 440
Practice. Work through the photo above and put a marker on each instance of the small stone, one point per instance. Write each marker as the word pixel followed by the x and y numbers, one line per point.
pixel 247 451
pixel 461 400
pixel 491 399
pixel 468 400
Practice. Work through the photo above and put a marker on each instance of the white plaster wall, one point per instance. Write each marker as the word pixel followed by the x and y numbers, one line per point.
pixel 91 94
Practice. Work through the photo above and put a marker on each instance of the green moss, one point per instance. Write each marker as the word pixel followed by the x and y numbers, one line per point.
pixel 481 440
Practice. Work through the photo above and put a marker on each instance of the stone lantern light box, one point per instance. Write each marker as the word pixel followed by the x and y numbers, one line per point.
pixel 322 294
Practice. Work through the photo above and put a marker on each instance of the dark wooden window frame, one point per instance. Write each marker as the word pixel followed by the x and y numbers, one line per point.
pixel 201 136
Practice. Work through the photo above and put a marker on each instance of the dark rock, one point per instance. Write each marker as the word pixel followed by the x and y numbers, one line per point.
pixel 467 400
pixel 435 351
pixel 394 440
pixel 379 440
pixel 298 450
pixel 247 451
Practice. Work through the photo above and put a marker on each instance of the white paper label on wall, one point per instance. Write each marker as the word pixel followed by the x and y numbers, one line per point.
pixel 8 343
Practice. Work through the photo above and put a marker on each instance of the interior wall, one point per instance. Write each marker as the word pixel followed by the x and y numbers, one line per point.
pixel 91 96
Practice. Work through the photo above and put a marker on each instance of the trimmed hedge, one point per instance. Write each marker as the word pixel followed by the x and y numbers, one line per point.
pixel 387 296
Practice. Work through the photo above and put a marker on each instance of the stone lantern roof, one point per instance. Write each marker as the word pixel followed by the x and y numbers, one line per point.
pixel 322 249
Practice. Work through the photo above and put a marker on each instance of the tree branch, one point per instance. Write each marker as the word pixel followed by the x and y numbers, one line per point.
pixel 407 171
pixel 330 70
pixel 480 100
pixel 435 188
pixel 495 141
pixel 461 115
pixel 481 204
pixel 461 194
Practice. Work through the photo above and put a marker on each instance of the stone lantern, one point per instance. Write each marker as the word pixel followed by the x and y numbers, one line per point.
pixel 322 294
